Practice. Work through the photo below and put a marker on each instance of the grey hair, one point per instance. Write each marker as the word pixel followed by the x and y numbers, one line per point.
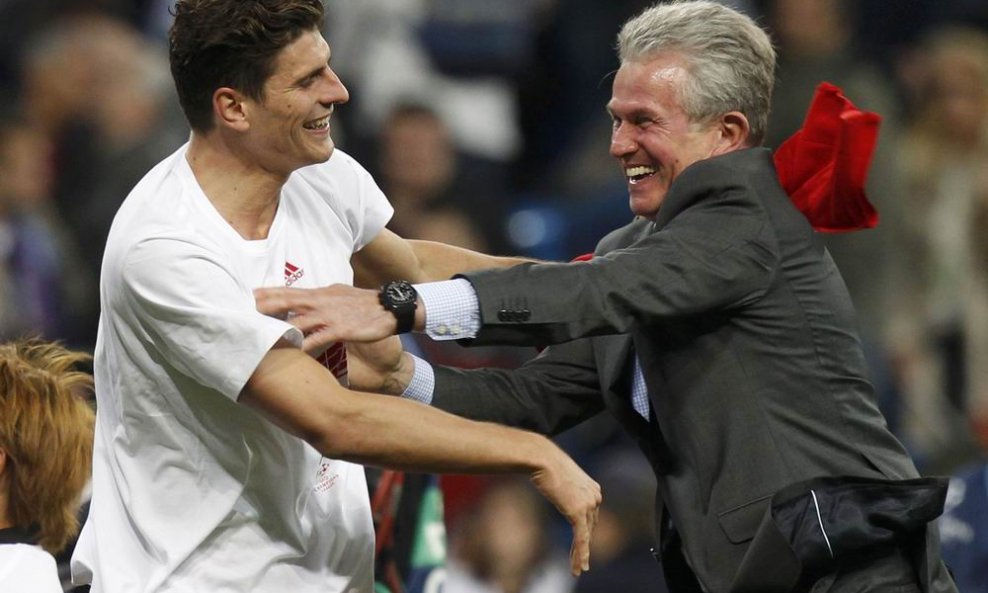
pixel 730 59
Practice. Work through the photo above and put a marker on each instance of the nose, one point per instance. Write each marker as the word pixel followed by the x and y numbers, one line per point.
pixel 622 141
pixel 333 91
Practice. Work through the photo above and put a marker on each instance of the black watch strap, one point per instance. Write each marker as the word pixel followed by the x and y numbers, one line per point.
pixel 400 297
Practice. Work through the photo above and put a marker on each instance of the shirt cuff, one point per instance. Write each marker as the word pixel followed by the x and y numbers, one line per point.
pixel 452 311
pixel 423 382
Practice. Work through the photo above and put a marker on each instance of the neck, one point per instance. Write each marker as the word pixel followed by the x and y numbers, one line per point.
pixel 245 194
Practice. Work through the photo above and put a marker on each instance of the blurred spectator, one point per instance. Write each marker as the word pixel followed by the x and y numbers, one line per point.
pixel 964 528
pixel 503 546
pixel 816 42
pixel 461 58
pixel 39 286
pixel 100 93
pixel 46 441
pixel 20 20
pixel 418 170
pixel 942 327
pixel 136 119
pixel 563 94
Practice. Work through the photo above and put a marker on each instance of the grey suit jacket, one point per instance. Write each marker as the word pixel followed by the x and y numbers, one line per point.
pixel 748 343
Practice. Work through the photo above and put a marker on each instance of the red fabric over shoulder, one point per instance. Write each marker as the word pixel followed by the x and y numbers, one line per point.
pixel 824 165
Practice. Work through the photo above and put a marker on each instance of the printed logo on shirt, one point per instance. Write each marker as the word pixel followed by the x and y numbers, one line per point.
pixel 326 477
pixel 292 273
pixel 334 359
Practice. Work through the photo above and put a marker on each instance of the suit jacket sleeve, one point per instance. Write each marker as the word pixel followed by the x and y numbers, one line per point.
pixel 549 394
pixel 713 250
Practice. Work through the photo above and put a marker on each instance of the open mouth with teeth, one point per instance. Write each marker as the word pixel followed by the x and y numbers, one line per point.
pixel 637 173
pixel 319 124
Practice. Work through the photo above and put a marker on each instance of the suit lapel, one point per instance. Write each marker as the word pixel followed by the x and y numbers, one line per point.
pixel 615 361
pixel 615 353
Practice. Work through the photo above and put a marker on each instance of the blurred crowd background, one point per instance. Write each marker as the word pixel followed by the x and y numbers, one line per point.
pixel 484 123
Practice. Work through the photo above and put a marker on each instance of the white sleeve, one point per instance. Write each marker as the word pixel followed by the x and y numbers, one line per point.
pixel 362 202
pixel 27 569
pixel 376 209
pixel 195 314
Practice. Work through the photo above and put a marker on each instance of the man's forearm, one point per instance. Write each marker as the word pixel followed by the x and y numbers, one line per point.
pixel 298 394
pixel 389 257
pixel 381 367
pixel 440 261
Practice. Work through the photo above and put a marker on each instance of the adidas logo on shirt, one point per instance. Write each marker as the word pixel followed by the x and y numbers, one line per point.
pixel 334 357
pixel 292 273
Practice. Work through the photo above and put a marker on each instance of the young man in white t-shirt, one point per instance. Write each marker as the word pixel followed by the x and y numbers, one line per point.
pixel 225 457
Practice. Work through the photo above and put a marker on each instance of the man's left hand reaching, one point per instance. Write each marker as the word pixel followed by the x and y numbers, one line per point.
pixel 336 313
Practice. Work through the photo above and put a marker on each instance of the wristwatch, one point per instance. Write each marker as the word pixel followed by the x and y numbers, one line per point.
pixel 400 298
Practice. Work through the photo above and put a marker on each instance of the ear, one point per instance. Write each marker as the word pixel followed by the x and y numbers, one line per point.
pixel 733 133
pixel 230 109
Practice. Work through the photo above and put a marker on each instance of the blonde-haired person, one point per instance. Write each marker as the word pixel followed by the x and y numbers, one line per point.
pixel 46 443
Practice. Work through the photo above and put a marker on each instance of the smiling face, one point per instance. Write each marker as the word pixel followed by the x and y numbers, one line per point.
pixel 652 138
pixel 289 127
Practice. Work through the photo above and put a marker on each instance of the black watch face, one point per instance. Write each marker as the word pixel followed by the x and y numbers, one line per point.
pixel 401 292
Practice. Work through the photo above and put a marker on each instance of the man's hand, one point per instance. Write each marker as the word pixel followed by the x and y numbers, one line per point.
pixel 577 496
pixel 336 313
pixel 381 367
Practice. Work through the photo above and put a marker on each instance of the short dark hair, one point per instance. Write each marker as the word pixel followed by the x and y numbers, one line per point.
pixel 232 43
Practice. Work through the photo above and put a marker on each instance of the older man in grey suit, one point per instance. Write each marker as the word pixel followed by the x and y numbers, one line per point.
pixel 715 327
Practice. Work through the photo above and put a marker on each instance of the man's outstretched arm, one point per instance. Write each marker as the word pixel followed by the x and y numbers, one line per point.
pixel 299 395
pixel 549 394
pixel 390 257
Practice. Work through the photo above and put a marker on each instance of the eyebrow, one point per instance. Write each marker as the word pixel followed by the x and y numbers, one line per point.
pixel 632 112
pixel 312 73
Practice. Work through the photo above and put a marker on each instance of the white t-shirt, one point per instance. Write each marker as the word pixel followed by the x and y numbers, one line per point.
pixel 192 491
pixel 25 568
